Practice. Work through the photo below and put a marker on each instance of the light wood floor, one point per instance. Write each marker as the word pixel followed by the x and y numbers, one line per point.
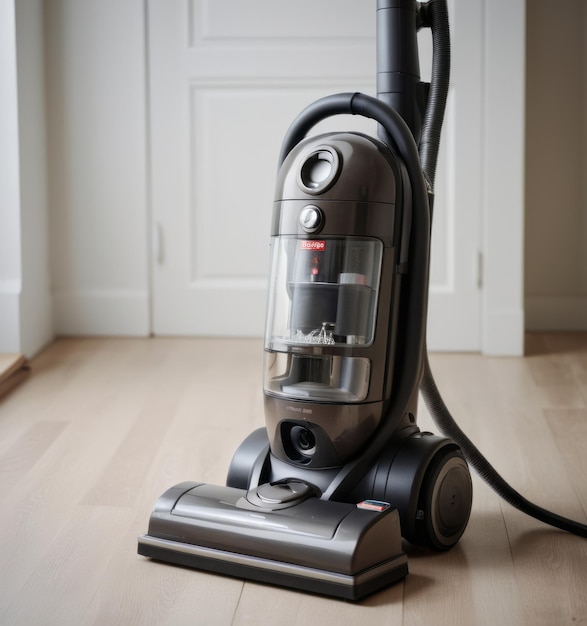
pixel 103 426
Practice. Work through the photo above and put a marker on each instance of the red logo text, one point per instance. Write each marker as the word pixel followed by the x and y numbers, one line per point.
pixel 313 244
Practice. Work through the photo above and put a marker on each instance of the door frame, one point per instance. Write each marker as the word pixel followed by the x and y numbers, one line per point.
pixel 503 178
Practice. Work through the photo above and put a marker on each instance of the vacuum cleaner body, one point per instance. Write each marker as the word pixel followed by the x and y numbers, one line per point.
pixel 321 497
pixel 334 297
pixel 334 347
pixel 331 332
pixel 340 244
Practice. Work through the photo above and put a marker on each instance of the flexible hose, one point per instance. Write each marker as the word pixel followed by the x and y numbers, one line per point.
pixel 435 15
pixel 449 428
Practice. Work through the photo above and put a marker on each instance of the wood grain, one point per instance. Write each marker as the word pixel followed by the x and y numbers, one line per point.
pixel 103 426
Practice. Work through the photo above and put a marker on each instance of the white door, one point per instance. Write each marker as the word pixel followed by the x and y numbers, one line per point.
pixel 226 79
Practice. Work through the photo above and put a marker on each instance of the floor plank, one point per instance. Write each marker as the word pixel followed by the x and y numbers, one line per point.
pixel 103 426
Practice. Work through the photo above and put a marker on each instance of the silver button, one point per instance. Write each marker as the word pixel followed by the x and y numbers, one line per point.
pixel 311 219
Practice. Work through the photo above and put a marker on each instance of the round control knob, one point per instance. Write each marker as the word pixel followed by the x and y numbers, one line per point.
pixel 311 219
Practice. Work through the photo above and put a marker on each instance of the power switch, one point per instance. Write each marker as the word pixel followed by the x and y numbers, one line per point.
pixel 311 218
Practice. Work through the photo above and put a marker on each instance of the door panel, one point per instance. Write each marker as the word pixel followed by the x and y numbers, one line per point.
pixel 226 79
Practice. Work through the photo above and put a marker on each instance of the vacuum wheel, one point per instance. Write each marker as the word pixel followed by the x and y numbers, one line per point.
pixel 445 501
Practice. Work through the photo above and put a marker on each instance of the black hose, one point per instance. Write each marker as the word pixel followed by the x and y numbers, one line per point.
pixel 435 14
pixel 449 428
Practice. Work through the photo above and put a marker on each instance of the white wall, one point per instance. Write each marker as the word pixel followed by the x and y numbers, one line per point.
pixel 25 307
pixel 98 177
pixel 556 165
pixel 10 270
pixel 96 111
pixel 95 70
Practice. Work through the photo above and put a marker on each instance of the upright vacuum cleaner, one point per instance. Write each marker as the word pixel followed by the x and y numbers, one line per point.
pixel 320 498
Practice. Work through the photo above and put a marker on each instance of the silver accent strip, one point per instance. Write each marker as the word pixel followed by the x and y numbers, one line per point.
pixel 275 566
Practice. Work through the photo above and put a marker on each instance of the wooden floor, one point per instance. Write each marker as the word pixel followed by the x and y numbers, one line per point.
pixel 102 427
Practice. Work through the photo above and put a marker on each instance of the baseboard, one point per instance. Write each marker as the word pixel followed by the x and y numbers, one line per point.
pixel 101 313
pixel 556 313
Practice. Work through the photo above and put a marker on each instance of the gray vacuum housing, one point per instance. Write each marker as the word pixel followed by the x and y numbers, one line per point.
pixel 340 243
pixel 336 239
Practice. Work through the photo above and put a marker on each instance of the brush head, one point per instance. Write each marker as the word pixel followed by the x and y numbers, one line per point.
pixel 329 548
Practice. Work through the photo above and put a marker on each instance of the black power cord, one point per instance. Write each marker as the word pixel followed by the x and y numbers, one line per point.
pixel 435 15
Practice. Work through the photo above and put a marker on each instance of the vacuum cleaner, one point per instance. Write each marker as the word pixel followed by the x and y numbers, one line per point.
pixel 324 497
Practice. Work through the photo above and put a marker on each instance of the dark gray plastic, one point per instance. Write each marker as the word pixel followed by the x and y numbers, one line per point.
pixel 398 65
pixel 331 324
pixel 325 547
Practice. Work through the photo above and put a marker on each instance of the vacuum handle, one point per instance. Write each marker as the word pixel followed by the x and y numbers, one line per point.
pixel 398 64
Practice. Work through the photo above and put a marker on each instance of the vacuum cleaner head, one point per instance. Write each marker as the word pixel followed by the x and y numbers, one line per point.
pixel 279 534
